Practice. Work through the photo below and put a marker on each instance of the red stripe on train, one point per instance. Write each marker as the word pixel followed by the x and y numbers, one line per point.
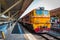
pixel 41 29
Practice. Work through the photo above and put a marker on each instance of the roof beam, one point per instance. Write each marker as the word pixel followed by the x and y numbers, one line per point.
pixel 11 7
pixel 24 7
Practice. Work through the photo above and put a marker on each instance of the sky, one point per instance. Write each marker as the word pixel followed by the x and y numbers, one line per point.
pixel 47 4
pixel 50 4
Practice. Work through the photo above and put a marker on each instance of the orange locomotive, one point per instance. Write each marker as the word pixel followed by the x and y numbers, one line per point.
pixel 40 20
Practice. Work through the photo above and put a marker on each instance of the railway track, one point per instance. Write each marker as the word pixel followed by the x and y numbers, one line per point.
pixel 45 36
pixel 58 38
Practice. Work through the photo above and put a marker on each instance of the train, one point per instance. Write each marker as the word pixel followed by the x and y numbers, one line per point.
pixel 38 20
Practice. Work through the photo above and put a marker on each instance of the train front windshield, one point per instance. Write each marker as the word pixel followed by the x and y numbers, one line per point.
pixel 42 12
pixel 39 12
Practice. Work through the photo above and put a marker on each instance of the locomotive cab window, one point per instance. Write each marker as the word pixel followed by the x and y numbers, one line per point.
pixel 39 12
pixel 45 12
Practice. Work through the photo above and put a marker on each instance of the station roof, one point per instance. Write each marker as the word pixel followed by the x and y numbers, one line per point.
pixel 21 7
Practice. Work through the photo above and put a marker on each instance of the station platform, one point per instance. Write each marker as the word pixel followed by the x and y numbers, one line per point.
pixel 16 31
pixel 12 36
pixel 21 35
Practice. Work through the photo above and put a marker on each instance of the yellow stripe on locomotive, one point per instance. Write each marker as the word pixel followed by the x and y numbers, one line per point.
pixel 40 20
